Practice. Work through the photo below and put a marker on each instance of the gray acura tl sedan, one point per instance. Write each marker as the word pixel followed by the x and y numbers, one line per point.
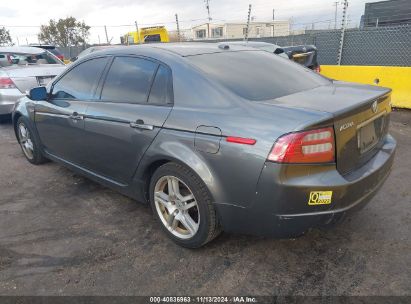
pixel 214 137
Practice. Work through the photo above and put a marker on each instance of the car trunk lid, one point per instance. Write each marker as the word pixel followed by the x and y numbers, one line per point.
pixel 29 76
pixel 361 118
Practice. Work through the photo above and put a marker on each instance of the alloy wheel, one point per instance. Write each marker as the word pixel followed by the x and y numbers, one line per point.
pixel 176 207
pixel 25 141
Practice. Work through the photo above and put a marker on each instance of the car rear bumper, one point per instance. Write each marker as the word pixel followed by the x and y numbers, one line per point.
pixel 281 206
pixel 8 98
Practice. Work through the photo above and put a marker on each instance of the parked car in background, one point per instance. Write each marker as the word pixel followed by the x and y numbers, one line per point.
pixel 305 55
pixel 208 137
pixel 268 47
pixel 51 48
pixel 22 68
pixel 90 50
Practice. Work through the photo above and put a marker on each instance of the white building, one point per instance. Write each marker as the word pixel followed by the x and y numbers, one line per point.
pixel 237 30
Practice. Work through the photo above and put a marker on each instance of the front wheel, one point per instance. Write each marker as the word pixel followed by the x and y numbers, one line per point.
pixel 182 203
pixel 29 143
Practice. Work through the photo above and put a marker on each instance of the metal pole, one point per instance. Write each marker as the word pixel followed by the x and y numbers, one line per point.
pixel 343 25
pixel 208 9
pixel 178 29
pixel 273 23
pixel 335 15
pixel 248 23
pixel 207 2
pixel 105 30
pixel 138 33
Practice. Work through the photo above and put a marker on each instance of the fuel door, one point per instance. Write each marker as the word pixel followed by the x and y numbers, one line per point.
pixel 207 139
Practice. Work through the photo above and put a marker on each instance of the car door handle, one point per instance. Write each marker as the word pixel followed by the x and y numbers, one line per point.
pixel 76 116
pixel 139 124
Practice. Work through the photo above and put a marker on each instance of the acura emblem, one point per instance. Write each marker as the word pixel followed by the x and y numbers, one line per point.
pixel 374 107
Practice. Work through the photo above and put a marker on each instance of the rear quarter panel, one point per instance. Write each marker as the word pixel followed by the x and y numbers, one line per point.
pixel 232 173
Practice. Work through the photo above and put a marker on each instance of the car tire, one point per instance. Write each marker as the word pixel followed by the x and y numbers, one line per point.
pixel 169 207
pixel 29 142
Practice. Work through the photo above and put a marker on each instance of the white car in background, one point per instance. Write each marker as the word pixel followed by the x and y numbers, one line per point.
pixel 21 69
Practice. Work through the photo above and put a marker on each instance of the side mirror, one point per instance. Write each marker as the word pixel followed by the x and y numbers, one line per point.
pixel 39 93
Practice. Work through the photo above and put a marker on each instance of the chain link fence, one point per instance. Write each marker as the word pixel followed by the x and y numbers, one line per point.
pixel 72 51
pixel 387 46
pixel 382 46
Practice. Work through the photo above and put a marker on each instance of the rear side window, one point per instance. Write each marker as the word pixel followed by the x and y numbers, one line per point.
pixel 81 81
pixel 161 89
pixel 129 80
pixel 257 75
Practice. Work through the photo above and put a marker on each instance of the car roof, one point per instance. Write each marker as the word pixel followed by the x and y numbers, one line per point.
pixel 21 49
pixel 241 42
pixel 252 43
pixel 100 47
pixel 181 49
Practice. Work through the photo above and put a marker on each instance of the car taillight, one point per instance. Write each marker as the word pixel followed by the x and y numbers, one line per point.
pixel 314 146
pixel 6 83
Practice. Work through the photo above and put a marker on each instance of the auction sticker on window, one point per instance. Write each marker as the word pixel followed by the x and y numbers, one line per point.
pixel 320 198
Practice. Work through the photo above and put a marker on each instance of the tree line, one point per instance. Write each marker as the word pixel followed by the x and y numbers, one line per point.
pixel 61 32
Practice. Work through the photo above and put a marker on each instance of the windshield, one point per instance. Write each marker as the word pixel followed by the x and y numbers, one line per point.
pixel 9 59
pixel 257 75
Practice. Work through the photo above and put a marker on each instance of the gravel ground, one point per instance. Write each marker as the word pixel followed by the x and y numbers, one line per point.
pixel 62 234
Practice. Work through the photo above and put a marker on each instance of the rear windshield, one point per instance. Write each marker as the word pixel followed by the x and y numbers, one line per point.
pixel 257 75
pixel 9 59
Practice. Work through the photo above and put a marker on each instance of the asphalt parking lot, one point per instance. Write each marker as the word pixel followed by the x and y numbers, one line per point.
pixel 62 234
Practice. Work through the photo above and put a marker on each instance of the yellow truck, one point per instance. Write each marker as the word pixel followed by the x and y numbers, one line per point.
pixel 146 35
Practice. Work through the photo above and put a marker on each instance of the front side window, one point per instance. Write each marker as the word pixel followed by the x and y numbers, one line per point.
pixel 81 81
pixel 129 80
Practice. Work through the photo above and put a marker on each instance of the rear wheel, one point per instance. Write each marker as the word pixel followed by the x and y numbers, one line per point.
pixel 29 143
pixel 182 203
